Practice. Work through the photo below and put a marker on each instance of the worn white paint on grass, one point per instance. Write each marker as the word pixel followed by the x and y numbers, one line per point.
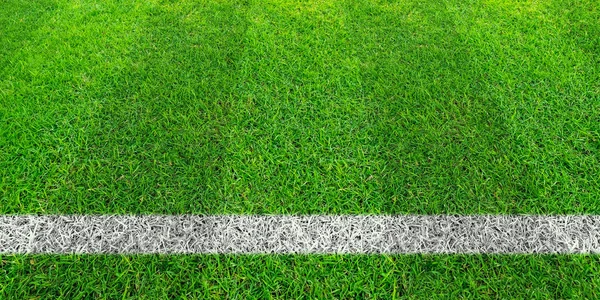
pixel 298 234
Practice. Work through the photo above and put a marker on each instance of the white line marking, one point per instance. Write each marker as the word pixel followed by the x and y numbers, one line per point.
pixel 243 234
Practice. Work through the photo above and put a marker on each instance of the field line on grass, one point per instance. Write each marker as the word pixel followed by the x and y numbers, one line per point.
pixel 245 234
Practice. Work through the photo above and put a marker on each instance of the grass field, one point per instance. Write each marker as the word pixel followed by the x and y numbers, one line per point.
pixel 299 277
pixel 300 107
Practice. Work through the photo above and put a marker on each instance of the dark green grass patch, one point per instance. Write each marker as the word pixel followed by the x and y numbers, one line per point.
pixel 285 277
pixel 299 106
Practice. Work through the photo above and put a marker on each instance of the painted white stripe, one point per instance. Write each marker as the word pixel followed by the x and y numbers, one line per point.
pixel 298 234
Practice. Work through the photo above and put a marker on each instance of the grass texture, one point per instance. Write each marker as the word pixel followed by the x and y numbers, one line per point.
pixel 300 277
pixel 299 107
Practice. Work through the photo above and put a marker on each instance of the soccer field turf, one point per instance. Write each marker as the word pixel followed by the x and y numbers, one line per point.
pixel 300 107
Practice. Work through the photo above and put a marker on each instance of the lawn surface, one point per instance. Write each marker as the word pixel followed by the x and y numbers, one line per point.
pixel 298 107
pixel 300 277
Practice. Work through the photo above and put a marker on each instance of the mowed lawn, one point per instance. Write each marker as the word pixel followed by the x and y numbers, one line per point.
pixel 300 107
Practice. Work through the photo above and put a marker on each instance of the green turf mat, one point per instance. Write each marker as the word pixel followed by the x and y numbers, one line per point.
pixel 427 107
pixel 285 277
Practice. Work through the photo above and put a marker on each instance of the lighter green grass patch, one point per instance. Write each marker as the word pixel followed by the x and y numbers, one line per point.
pixel 299 107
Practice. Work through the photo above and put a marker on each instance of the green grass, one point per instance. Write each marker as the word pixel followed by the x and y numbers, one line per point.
pixel 300 277
pixel 297 107
pixel 302 107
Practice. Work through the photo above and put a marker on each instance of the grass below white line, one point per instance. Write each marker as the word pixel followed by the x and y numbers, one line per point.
pixel 128 234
